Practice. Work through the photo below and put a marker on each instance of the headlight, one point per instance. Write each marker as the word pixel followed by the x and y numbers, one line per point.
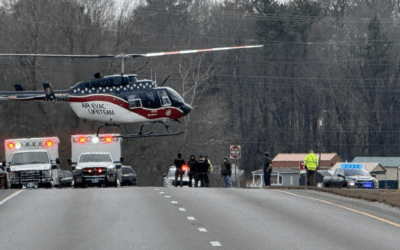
pixel 351 183
pixel 111 169
pixel 46 173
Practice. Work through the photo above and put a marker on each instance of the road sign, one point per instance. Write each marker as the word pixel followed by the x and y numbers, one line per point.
pixel 301 165
pixel 234 151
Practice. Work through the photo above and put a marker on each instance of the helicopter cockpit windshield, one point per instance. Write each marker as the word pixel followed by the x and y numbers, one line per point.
pixel 175 96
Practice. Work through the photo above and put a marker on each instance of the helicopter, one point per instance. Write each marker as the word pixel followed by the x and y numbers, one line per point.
pixel 119 98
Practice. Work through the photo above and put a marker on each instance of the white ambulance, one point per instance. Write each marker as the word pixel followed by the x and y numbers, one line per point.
pixel 95 160
pixel 32 162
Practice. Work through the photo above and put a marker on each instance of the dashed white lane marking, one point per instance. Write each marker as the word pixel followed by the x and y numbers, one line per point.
pixel 190 218
pixel 202 229
pixel 215 244
pixel 10 197
pixel 182 209
pixel 174 202
pixel 167 196
pixel 157 189
pixel 161 192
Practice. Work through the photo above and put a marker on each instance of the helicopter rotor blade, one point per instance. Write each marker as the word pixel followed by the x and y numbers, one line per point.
pixel 132 55
pixel 193 51
pixel 58 55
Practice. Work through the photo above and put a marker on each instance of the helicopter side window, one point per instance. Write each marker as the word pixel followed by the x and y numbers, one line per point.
pixel 165 101
pixel 150 96
pixel 134 101
pixel 148 100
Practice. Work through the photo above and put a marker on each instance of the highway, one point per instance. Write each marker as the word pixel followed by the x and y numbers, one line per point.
pixel 189 218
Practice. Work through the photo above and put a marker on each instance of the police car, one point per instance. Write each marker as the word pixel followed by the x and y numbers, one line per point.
pixel 351 176
pixel 169 179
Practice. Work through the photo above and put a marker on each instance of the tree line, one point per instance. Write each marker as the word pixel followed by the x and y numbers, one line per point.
pixel 327 78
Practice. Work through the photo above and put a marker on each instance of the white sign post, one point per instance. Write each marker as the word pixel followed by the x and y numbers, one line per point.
pixel 235 153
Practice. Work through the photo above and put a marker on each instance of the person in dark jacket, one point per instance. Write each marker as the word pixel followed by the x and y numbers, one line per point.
pixel 267 170
pixel 192 171
pixel 201 170
pixel 209 171
pixel 226 172
pixel 179 162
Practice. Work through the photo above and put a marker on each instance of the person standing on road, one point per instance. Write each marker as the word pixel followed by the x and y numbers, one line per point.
pixel 267 170
pixel 201 171
pixel 192 171
pixel 226 172
pixel 210 170
pixel 179 162
pixel 311 163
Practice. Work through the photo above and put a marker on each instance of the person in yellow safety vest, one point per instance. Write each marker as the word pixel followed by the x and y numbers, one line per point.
pixel 311 164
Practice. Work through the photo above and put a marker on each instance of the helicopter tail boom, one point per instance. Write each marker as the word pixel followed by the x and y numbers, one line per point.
pixel 47 95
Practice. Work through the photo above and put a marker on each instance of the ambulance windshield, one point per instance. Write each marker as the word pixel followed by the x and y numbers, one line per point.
pixel 95 158
pixel 22 158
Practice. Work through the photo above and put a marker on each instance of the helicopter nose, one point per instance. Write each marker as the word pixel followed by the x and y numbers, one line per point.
pixel 186 108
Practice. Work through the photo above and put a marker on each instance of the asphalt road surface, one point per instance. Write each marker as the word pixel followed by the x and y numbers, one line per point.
pixel 201 218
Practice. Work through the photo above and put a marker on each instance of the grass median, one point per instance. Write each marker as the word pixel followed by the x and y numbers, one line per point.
pixel 387 196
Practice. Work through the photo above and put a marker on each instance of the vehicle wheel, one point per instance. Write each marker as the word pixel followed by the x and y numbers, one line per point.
pixel 327 185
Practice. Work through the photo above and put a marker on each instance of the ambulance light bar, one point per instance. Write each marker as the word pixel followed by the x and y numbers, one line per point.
pixel 16 145
pixel 89 139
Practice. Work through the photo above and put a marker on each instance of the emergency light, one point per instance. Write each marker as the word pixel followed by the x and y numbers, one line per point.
pixel 39 142
pixel 49 143
pixel 350 166
pixel 185 167
pixel 368 185
pixel 107 139
pixel 82 139
pixel 89 139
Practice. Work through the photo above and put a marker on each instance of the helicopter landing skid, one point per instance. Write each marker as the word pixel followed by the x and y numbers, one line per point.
pixel 138 135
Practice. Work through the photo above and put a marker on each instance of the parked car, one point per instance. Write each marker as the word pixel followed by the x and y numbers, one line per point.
pixel 128 176
pixel 169 178
pixel 3 179
pixel 66 178
pixel 351 178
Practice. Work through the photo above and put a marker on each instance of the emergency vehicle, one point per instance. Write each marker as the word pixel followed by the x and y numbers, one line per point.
pixel 95 160
pixel 31 162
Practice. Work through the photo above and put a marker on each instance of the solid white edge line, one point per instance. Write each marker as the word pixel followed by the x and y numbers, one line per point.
pixel 10 197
